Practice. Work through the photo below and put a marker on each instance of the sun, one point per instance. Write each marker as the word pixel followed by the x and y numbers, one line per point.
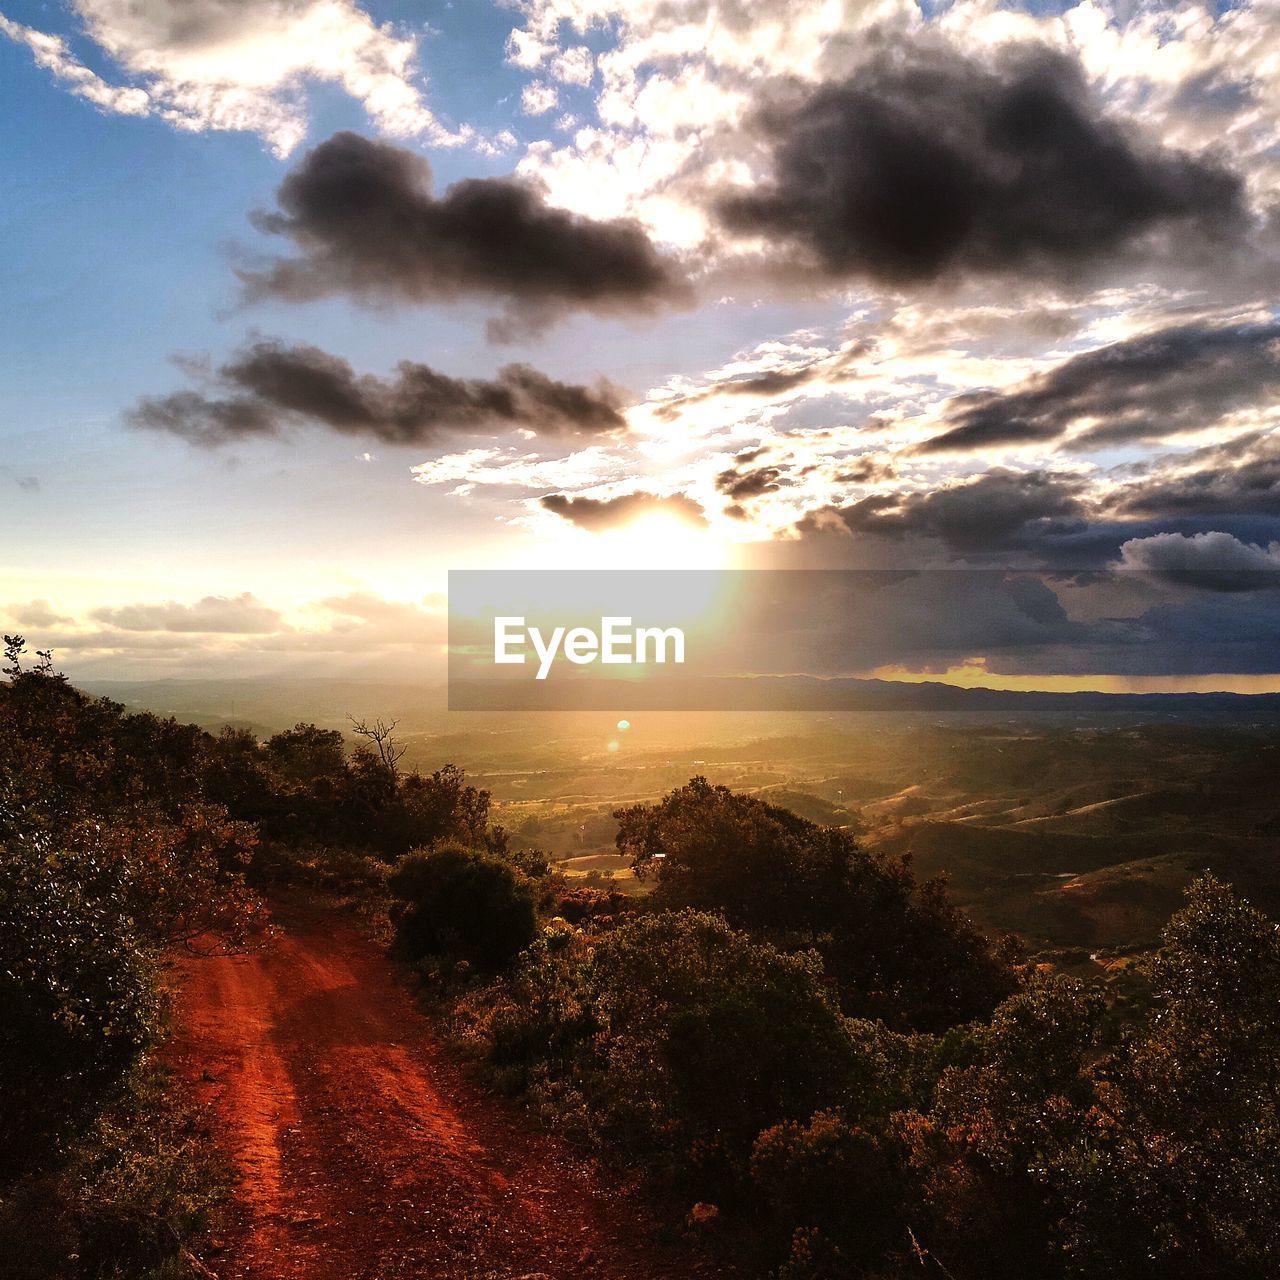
pixel 656 540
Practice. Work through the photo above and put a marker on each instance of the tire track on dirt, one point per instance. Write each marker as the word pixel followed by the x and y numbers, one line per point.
pixel 363 1152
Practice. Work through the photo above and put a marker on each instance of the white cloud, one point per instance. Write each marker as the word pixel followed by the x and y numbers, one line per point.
pixel 574 66
pixel 214 615
pixel 526 50
pixel 242 634
pixel 1211 552
pixel 53 54
pixel 242 65
pixel 36 613
pixel 678 77
pixel 509 468
pixel 538 98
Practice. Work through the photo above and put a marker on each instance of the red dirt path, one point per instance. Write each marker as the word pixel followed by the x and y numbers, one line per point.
pixel 362 1151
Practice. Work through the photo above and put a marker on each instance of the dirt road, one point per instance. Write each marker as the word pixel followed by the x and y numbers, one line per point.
pixel 362 1151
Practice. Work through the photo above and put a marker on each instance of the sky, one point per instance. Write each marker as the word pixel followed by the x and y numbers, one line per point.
pixel 310 301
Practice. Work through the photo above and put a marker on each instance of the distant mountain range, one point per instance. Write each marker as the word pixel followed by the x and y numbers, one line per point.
pixel 277 702
pixel 813 693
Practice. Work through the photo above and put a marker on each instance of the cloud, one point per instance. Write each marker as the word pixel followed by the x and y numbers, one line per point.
pixel 752 379
pixel 608 513
pixel 363 617
pixel 37 613
pixel 269 388
pixel 674 80
pixel 538 98
pixel 367 224
pixel 27 483
pixel 53 54
pixel 1158 384
pixel 1240 476
pixel 751 482
pixel 240 65
pixel 509 468
pixel 576 65
pixel 357 635
pixel 741 483
pixel 927 165
pixel 224 615
pixel 1214 560
pixel 1000 510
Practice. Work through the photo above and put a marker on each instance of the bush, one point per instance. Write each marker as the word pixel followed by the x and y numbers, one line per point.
pixel 714 1034
pixel 77 1003
pixel 1180 1179
pixel 834 1182
pixel 465 903
pixel 679 1038
pixel 342 873
pixel 139 1183
pixel 898 949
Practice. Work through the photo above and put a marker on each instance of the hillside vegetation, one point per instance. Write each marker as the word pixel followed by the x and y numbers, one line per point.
pixel 789 1028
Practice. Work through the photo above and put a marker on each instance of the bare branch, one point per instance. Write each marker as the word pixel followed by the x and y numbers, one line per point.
pixel 382 734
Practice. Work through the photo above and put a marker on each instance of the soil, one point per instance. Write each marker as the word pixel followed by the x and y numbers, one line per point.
pixel 363 1150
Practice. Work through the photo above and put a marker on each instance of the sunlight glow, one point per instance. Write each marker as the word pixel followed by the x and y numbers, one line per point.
pixel 973 674
pixel 656 540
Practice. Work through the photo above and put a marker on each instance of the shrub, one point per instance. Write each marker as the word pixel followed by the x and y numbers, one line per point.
pixel 465 903
pixel 679 1038
pixel 76 997
pixel 714 1034
pixel 899 949
pixel 138 1184
pixel 1179 1178
pixel 832 1181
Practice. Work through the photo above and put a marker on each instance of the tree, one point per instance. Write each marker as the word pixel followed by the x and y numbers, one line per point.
pixel 307 754
pixel 444 806
pixel 15 648
pixel 1178 1179
pixel 899 949
pixel 987 1152
pixel 386 746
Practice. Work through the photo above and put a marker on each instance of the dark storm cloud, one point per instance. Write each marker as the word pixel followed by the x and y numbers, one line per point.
pixel 844 622
pixel 927 165
pixel 1020 622
pixel 1063 522
pixel 607 513
pixel 1241 476
pixel 1157 384
pixel 269 388
pixel 366 223
pixel 1099 543
pixel 998 511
